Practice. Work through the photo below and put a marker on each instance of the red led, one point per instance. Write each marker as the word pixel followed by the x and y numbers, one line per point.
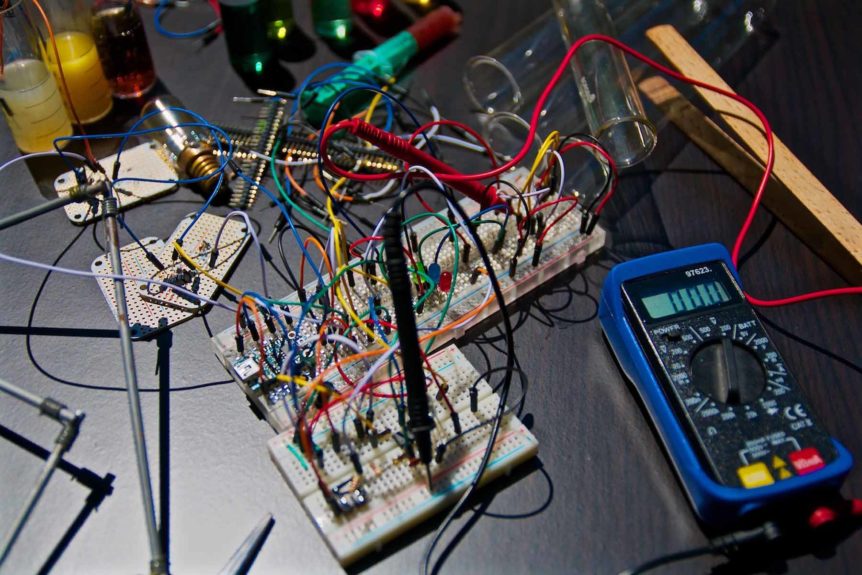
pixel 374 8
pixel 445 282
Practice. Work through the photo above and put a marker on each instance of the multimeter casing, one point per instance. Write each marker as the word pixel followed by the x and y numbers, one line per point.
pixel 715 503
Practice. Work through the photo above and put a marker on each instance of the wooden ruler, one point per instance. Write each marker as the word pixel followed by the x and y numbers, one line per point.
pixel 794 195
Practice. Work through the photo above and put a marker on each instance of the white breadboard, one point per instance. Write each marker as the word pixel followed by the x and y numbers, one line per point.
pixel 142 161
pixel 395 496
pixel 151 311
pixel 564 247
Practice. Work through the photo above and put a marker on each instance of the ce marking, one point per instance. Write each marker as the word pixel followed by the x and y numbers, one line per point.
pixel 795 412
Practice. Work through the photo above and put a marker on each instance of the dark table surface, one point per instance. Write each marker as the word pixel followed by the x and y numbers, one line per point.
pixel 600 497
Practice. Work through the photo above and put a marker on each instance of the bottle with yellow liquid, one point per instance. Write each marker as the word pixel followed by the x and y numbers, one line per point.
pixel 29 97
pixel 88 87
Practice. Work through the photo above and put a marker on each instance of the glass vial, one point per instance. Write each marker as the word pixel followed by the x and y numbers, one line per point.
pixel 122 45
pixel 609 96
pixel 88 87
pixel 279 21
pixel 332 19
pixel 28 92
pixel 245 31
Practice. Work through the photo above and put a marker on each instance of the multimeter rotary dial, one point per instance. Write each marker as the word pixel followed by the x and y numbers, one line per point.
pixel 728 371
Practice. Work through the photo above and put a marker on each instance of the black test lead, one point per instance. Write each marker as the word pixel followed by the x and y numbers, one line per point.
pixel 419 422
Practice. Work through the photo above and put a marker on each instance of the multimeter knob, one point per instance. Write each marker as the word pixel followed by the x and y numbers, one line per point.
pixel 728 372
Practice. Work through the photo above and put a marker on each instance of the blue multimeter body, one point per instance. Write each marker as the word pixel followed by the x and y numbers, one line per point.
pixel 733 421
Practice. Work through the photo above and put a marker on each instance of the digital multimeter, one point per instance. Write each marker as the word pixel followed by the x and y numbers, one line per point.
pixel 737 428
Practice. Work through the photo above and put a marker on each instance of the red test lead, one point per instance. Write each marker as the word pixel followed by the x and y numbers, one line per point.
pixel 486 196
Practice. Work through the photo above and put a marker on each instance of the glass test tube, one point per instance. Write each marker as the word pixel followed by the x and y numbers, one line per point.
pixel 245 31
pixel 279 20
pixel 28 92
pixel 333 19
pixel 88 87
pixel 122 46
pixel 609 96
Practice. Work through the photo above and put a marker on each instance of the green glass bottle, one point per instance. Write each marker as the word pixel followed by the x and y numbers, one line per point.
pixel 279 21
pixel 245 31
pixel 332 19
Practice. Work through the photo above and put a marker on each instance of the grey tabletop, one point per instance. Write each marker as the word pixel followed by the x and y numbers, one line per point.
pixel 600 497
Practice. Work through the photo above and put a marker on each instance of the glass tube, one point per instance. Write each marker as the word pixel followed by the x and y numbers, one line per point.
pixel 332 19
pixel 28 92
pixel 122 46
pixel 88 87
pixel 609 96
pixel 279 20
pixel 244 23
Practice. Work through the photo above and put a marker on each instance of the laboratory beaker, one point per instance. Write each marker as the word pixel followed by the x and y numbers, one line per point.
pixel 88 88
pixel 28 92
pixel 123 49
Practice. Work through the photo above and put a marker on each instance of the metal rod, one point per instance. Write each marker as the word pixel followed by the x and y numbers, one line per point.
pixel 40 403
pixel 157 556
pixel 32 499
pixel 76 195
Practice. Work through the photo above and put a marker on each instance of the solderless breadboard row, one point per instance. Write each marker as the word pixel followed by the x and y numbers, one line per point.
pixel 153 308
pixel 563 247
pixel 391 496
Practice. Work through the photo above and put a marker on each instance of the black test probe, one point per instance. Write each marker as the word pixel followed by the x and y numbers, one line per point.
pixel 419 421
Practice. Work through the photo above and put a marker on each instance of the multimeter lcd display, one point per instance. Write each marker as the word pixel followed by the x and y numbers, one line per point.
pixel 681 291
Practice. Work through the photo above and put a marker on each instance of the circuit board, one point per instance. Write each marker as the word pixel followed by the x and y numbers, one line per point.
pixel 391 493
pixel 145 161
pixel 153 308
pixel 260 139
pixel 564 247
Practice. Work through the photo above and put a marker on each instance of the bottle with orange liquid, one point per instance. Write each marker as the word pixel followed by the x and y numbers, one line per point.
pixel 122 44
pixel 88 87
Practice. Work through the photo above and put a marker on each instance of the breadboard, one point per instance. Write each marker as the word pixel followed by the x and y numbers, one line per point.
pixel 395 496
pixel 564 247
pixel 143 161
pixel 150 315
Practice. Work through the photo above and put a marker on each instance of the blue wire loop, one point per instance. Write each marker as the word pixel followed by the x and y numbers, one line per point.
pixel 198 33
